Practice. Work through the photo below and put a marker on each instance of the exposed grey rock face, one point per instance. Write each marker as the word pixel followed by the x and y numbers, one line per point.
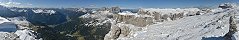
pixel 216 20
pixel 206 23
pixel 103 9
pixel 143 12
pixel 124 29
pixel 113 34
pixel 226 5
pixel 232 28
pixel 134 19
pixel 112 9
pixel 176 16
pixel 165 17
pixel 140 19
pixel 124 24
pixel 99 23
pixel 8 36
pixel 161 15
pixel 115 9
pixel 187 28
pixel 156 15
pixel 198 13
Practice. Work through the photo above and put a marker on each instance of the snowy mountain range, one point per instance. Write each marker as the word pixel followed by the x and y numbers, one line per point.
pixel 114 23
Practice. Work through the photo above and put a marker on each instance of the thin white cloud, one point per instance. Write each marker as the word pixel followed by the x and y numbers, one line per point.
pixel 10 4
pixel 15 4
pixel 29 4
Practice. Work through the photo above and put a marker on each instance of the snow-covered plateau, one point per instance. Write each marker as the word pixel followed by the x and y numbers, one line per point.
pixel 180 24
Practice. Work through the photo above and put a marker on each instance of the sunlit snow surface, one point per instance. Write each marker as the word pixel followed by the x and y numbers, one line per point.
pixel 127 13
pixel 44 11
pixel 2 20
pixel 199 27
pixel 26 34
pixel 6 25
pixel 169 10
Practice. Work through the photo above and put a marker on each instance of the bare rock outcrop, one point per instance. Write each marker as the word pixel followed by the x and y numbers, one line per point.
pixel 112 9
pixel 141 19
pixel 133 18
pixel 120 30
pixel 114 33
pixel 8 36
pixel 115 9
pixel 148 16
pixel 228 5
pixel 161 15
pixel 232 28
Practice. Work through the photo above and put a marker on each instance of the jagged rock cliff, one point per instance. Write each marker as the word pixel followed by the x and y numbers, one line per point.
pixel 232 28
pixel 174 24
pixel 133 18
pixel 143 18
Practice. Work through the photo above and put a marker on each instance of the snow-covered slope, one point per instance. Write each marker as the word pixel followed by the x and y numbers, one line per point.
pixel 2 20
pixel 5 28
pixel 8 36
pixel 8 29
pixel 44 11
pixel 26 35
pixel 199 27
pixel 173 11
pixel 168 10
pixel 24 32
pixel 19 10
pixel 127 13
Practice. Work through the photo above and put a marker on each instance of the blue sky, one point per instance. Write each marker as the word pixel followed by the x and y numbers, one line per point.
pixel 110 3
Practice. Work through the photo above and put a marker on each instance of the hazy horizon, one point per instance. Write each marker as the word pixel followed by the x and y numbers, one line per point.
pixel 111 3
